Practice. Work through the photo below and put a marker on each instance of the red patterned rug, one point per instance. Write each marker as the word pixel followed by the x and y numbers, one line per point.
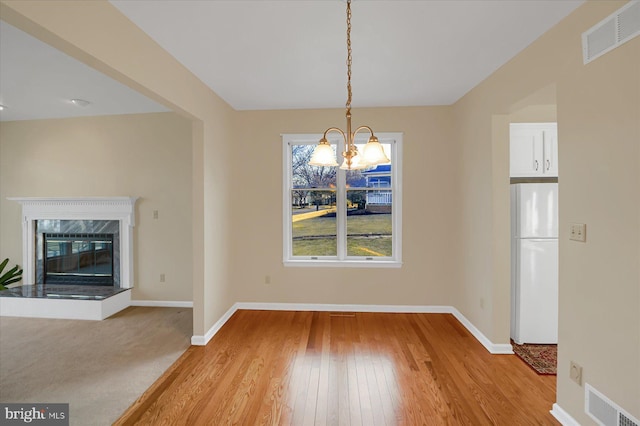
pixel 542 358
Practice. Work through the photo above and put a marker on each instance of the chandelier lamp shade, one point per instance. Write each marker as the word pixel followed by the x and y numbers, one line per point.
pixel 372 153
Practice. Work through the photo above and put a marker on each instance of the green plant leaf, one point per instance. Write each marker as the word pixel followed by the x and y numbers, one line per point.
pixel 10 273
pixel 3 264
pixel 11 276
pixel 11 281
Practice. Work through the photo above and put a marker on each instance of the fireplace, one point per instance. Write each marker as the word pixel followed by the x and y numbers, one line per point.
pixel 78 259
pixel 78 241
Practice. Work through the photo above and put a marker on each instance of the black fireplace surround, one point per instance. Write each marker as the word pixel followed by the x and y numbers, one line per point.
pixel 78 258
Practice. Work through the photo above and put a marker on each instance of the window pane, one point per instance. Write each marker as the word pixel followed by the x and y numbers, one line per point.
pixel 369 225
pixel 306 176
pixel 313 225
pixel 355 178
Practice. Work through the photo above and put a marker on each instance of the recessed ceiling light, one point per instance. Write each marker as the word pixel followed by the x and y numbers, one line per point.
pixel 80 102
pixel 2 107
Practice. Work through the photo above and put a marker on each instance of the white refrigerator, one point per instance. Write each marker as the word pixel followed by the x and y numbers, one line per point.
pixel 534 263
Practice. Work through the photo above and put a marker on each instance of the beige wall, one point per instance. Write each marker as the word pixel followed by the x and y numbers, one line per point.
pixel 599 116
pixel 535 114
pixel 598 119
pixel 144 155
pixel 108 41
pixel 430 212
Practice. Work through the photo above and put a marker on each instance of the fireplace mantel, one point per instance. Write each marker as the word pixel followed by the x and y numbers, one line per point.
pixel 121 209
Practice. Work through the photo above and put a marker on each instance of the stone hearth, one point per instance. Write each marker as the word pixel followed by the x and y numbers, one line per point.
pixel 37 298
pixel 64 301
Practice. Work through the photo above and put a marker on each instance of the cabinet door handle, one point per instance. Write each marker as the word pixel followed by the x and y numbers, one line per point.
pixel 548 164
pixel 536 165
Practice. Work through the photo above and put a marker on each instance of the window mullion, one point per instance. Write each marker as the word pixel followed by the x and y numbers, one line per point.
pixel 341 207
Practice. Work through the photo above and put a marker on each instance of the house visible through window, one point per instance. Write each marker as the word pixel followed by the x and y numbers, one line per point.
pixel 335 217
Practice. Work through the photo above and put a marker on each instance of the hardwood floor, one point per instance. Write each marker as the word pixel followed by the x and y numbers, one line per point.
pixel 322 368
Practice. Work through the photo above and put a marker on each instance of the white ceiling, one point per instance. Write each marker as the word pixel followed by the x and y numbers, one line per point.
pixel 38 82
pixel 279 54
pixel 266 54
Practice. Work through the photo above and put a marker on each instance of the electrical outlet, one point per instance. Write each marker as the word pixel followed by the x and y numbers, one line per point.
pixel 575 373
pixel 162 278
pixel 155 214
pixel 267 279
pixel 578 232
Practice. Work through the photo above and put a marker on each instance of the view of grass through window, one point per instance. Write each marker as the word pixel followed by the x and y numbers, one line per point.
pixel 367 235
pixel 313 201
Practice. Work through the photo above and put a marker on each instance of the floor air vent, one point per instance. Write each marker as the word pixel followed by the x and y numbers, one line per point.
pixel 604 411
pixel 613 31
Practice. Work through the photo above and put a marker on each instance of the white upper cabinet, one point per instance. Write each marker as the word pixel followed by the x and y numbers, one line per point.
pixel 533 150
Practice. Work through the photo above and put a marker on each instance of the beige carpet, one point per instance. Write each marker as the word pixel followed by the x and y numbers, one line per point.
pixel 99 367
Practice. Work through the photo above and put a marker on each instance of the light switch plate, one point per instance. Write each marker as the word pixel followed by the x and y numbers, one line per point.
pixel 575 372
pixel 578 232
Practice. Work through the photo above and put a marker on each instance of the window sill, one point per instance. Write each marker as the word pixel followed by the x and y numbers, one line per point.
pixel 343 263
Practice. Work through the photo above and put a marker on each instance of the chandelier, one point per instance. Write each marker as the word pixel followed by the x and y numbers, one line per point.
pixel 372 153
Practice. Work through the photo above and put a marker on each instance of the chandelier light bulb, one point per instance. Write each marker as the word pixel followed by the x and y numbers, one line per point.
pixel 356 163
pixel 373 152
pixel 323 155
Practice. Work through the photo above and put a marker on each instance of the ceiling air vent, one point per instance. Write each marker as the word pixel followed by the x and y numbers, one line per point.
pixel 613 31
pixel 604 411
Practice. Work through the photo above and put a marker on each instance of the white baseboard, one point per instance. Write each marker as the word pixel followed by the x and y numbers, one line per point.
pixel 493 348
pixel 562 416
pixel 163 303
pixel 197 340
pixel 326 307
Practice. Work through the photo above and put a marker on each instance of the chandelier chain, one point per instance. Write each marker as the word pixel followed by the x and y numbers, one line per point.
pixel 373 153
pixel 348 56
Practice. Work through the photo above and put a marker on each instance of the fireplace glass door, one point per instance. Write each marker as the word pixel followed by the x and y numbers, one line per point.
pixel 78 259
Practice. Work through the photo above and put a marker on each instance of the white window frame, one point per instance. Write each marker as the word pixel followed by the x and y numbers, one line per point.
pixel 341 259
